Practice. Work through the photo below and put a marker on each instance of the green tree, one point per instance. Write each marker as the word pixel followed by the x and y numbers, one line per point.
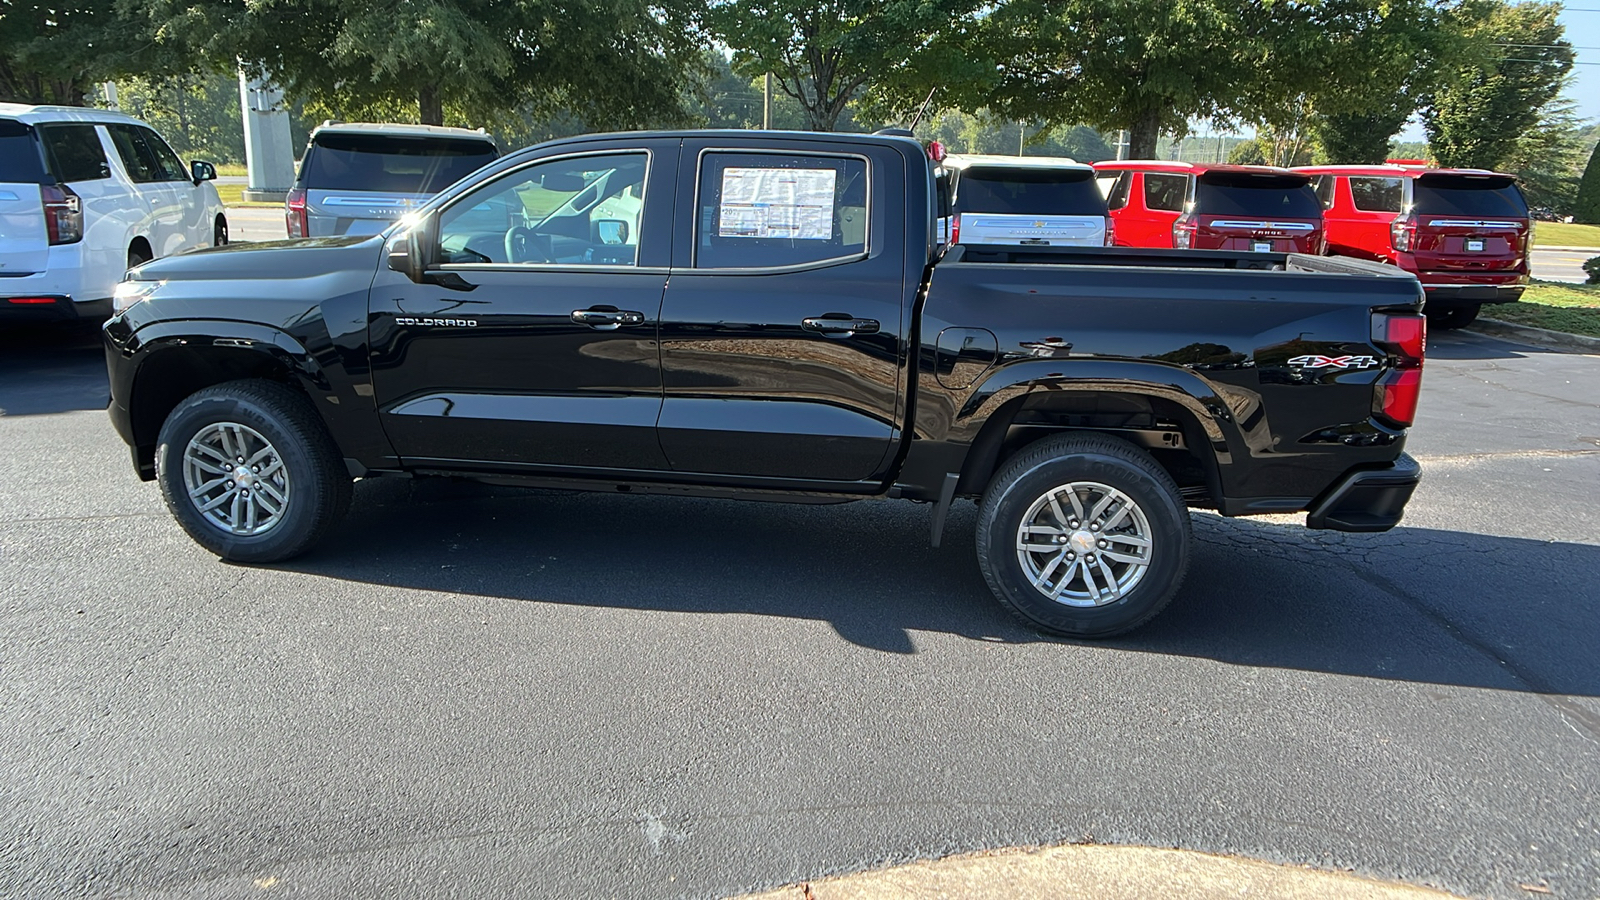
pixel 1586 207
pixel 618 63
pixel 1360 137
pixel 57 53
pixel 1522 62
pixel 1548 158
pixel 824 54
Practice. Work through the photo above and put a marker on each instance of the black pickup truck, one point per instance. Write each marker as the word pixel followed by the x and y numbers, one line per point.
pixel 769 316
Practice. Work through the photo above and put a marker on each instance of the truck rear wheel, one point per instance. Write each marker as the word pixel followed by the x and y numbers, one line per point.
pixel 249 471
pixel 1083 535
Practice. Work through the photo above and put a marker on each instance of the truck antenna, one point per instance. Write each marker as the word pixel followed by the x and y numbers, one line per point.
pixel 918 117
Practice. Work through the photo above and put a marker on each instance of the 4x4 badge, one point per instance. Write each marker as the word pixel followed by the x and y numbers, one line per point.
pixel 1333 362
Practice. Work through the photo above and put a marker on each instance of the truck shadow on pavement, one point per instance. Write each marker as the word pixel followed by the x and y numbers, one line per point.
pixel 51 369
pixel 1419 605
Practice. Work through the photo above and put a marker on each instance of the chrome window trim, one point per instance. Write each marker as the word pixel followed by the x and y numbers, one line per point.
pixel 694 228
pixel 649 163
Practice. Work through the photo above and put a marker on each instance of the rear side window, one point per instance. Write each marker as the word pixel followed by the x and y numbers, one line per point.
pixel 74 152
pixel 1466 196
pixel 391 164
pixel 1266 197
pixel 1377 194
pixel 759 210
pixel 1165 192
pixel 140 161
pixel 1115 188
pixel 1029 192
pixel 1326 184
pixel 20 162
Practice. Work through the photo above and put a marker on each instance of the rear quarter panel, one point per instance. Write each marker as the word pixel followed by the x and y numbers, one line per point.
pixel 1216 342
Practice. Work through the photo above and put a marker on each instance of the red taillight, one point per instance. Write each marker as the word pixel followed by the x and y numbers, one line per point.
pixel 1111 232
pixel 1397 391
pixel 295 215
pixel 1183 231
pixel 936 151
pixel 1403 233
pixel 31 301
pixel 63 214
pixel 955 229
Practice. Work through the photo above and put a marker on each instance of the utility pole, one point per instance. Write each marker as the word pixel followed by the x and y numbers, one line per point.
pixel 1122 144
pixel 766 102
pixel 1022 132
pixel 268 150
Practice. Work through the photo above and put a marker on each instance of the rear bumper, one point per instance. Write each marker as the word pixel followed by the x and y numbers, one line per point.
pixel 1367 499
pixel 16 307
pixel 1450 288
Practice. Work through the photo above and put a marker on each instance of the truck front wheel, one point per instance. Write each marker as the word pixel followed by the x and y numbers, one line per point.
pixel 249 471
pixel 1083 535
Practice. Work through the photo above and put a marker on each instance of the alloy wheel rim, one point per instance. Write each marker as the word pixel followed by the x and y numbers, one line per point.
pixel 236 479
pixel 1084 544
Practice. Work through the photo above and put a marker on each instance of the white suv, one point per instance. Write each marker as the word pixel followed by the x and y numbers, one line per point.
pixel 86 195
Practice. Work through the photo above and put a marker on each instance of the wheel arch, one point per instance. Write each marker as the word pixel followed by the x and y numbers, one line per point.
pixel 1169 411
pixel 176 363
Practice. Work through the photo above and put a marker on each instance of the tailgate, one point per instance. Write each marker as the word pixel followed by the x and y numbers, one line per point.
pixel 359 212
pixel 24 244
pixel 1468 244
pixel 1043 231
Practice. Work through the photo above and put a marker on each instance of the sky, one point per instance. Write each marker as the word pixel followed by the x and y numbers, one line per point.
pixel 1582 21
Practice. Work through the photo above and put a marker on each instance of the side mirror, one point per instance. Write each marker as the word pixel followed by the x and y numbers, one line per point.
pixel 414 251
pixel 611 231
pixel 200 170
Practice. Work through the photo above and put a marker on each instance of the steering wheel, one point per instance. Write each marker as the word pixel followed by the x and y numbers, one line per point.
pixel 523 244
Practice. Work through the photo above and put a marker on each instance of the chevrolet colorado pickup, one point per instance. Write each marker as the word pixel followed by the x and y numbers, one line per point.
pixel 769 316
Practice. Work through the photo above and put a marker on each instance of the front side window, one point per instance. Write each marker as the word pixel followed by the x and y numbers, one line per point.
pixel 582 210
pixel 1377 194
pixel 170 166
pixel 1165 192
pixel 74 152
pixel 141 165
pixel 761 210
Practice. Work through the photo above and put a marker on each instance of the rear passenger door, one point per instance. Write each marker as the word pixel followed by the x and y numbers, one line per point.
pixel 783 327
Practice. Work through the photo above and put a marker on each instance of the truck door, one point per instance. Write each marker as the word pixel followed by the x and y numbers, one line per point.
pixel 784 324
pixel 539 350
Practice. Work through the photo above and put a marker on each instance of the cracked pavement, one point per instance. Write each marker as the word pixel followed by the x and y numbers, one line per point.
pixel 473 691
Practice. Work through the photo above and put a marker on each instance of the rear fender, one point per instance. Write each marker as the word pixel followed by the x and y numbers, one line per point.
pixel 1210 431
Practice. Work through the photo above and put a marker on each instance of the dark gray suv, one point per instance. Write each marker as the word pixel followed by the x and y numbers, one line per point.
pixel 358 178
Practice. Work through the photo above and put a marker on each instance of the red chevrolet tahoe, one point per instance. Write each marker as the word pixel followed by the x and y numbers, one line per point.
pixel 1193 206
pixel 1463 232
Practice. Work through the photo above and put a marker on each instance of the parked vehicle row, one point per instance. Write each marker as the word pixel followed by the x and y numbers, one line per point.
pixel 86 195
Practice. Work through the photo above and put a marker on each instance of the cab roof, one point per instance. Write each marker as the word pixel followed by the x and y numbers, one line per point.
pixel 34 115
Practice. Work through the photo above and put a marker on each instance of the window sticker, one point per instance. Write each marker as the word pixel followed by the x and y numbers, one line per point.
pixel 777 203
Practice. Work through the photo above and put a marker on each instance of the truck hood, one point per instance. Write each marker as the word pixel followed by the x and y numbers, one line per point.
pixel 271 260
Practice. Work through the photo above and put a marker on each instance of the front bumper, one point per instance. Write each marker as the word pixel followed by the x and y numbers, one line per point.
pixel 1368 499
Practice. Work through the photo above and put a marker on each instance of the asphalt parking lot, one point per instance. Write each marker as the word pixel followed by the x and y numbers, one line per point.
pixel 477 692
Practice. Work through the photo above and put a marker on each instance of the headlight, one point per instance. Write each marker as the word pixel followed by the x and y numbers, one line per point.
pixel 130 292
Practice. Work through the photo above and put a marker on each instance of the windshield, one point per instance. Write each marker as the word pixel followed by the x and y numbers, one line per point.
pixel 1468 196
pixel 392 164
pixel 1262 198
pixel 20 162
pixel 1030 192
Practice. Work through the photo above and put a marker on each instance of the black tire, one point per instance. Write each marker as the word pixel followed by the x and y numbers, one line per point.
pixel 1454 317
pixel 314 486
pixel 137 256
pixel 219 232
pixel 1034 474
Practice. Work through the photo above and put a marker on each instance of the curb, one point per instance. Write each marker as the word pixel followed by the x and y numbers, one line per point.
pixel 1539 337
pixel 1102 872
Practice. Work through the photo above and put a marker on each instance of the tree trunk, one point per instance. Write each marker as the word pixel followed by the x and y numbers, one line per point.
pixel 1144 134
pixel 430 108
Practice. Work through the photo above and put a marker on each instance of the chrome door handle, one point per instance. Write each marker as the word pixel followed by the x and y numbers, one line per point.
pixel 840 325
pixel 607 318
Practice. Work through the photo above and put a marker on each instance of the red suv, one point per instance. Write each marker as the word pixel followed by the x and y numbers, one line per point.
pixel 1193 206
pixel 1463 232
